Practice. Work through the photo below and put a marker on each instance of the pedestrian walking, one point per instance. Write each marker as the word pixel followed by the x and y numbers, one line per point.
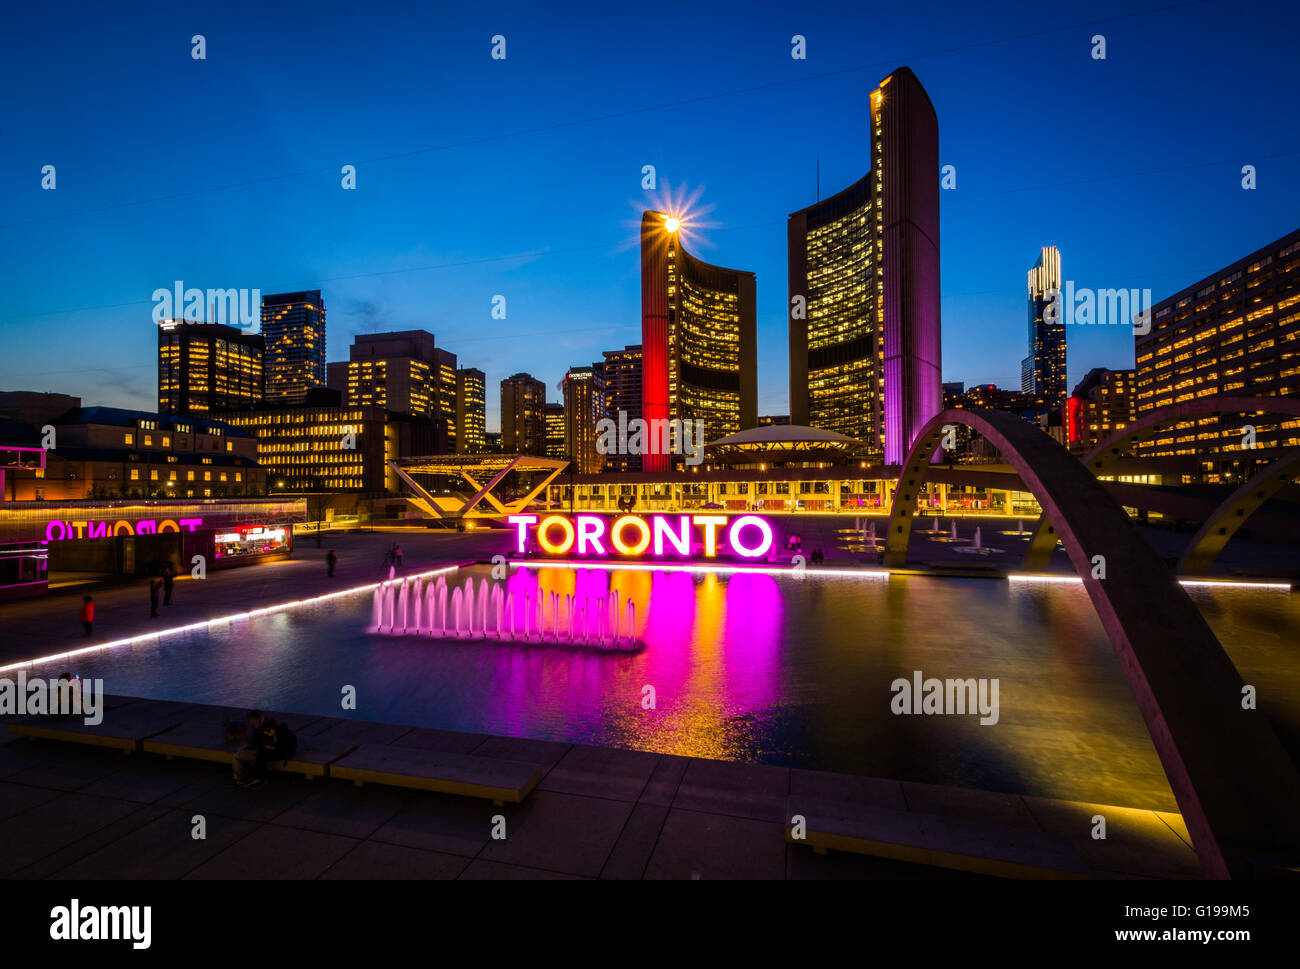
pixel 397 555
pixel 331 560
pixel 169 580
pixel 154 587
pixel 87 614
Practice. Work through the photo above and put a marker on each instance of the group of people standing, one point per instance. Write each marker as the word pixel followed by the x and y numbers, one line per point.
pixel 160 588
pixel 163 586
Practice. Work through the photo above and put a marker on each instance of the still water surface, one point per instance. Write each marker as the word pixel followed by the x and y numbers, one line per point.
pixel 752 667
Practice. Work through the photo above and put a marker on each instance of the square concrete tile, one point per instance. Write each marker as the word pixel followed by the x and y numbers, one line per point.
pixel 443 741
pixel 443 823
pixel 372 860
pixel 601 772
pixel 146 778
pixel 337 808
pixel 21 753
pixel 741 790
pixel 356 731
pixel 715 846
pixel 165 848
pixel 547 753
pixel 217 794
pixel 273 852
pixel 46 828
pixel 71 767
pixel 15 798
pixel 664 780
pixel 561 832
pixel 636 843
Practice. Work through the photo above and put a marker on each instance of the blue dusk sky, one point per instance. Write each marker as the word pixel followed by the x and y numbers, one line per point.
pixel 522 177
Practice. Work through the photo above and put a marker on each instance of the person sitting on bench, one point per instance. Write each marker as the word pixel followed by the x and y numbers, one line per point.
pixel 283 743
pixel 247 757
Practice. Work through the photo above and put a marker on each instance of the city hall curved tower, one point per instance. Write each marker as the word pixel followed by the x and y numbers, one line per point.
pixel 864 286
pixel 698 333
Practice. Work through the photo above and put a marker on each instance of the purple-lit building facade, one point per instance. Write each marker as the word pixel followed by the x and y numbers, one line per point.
pixel 864 286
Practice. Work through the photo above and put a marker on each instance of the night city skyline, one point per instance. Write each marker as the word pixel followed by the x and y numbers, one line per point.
pixel 1119 217
pixel 733 442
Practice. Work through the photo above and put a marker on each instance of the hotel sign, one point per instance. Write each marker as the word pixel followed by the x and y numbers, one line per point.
pixel 748 536
pixel 58 530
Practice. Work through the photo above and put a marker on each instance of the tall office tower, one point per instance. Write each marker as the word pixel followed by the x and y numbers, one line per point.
pixel 444 370
pixel 396 371
pixel 207 366
pixel 293 326
pixel 623 393
pixel 1042 373
pixel 555 447
pixel 864 286
pixel 584 405
pixel 1100 404
pixel 523 415
pixel 471 410
pixel 698 339
pixel 1231 334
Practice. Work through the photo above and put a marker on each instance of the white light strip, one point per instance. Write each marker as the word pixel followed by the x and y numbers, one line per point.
pixel 280 607
pixel 665 567
pixel 1230 583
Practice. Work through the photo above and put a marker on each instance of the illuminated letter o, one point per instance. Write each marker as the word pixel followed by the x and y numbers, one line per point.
pixel 162 526
pixel 733 536
pixel 545 542
pixel 49 531
pixel 123 527
pixel 616 535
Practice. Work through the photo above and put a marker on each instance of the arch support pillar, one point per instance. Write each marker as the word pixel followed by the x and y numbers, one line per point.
pixel 1236 787
pixel 1234 512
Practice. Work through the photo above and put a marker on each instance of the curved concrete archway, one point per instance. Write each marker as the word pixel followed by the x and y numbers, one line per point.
pixel 1105 454
pixel 1219 528
pixel 1235 784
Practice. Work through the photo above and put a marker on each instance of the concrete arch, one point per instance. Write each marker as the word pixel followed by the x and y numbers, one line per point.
pixel 1219 528
pixel 1105 454
pixel 1235 784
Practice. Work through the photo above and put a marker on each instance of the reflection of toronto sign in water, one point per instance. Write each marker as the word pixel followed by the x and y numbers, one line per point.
pixel 747 535
pixel 57 530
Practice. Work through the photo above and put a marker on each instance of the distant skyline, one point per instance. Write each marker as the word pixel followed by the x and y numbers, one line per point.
pixel 522 177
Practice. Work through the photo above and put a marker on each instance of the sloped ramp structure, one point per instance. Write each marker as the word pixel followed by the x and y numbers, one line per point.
pixel 471 468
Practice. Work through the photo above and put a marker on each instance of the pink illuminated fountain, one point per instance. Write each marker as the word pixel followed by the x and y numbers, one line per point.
pixel 413 607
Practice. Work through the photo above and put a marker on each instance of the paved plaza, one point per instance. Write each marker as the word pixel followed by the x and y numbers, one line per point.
pixel 71 811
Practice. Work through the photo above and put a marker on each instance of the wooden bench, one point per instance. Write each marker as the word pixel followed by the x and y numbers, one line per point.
pixel 122 728
pixel 206 740
pixel 440 771
pixel 1006 852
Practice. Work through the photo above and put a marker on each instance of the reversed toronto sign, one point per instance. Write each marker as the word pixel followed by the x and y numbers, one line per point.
pixel 58 530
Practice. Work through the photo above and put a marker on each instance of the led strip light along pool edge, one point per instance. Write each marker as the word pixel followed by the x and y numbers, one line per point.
pixel 232 617
pixel 878 574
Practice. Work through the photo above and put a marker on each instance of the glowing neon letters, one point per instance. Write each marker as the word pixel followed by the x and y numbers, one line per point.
pixel 748 536
pixel 58 530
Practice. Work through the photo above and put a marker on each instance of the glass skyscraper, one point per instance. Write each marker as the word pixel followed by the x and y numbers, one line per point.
pixel 699 353
pixel 864 286
pixel 1042 372
pixel 293 327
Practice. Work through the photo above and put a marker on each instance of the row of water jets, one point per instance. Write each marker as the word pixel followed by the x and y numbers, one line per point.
pixel 413 607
